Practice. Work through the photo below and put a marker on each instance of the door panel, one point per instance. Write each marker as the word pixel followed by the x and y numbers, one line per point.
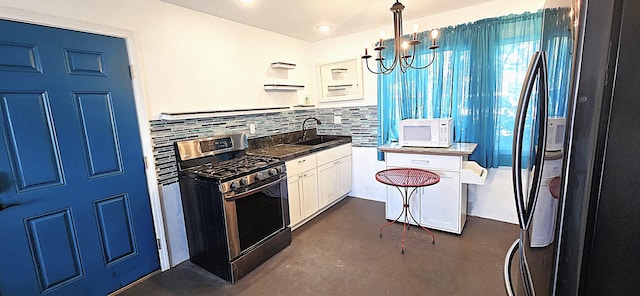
pixel 116 231
pixel 440 203
pixel 99 133
pixel 39 166
pixel 19 57
pixel 81 62
pixel 74 208
pixel 54 245
pixel 310 202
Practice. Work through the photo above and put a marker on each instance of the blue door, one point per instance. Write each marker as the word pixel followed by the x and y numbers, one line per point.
pixel 75 217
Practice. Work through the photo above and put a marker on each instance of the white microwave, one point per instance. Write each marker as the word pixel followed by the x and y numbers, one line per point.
pixel 555 133
pixel 426 132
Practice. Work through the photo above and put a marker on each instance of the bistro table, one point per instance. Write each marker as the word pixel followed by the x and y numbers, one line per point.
pixel 407 180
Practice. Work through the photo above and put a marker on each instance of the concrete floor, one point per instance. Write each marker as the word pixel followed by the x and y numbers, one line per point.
pixel 340 253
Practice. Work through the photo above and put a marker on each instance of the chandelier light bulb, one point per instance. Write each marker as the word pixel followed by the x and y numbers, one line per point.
pixel 405 45
pixel 434 34
pixel 415 28
pixel 381 34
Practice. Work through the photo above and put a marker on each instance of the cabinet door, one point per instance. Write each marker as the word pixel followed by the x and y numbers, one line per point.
pixel 309 193
pixel 327 184
pixel 343 177
pixel 295 202
pixel 440 203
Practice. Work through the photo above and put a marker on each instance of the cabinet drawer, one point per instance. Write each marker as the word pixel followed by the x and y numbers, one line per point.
pixel 332 154
pixel 302 164
pixel 441 162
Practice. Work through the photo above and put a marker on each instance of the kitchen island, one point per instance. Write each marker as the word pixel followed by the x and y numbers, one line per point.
pixel 442 206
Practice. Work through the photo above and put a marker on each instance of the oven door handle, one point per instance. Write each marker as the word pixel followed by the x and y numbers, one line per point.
pixel 252 191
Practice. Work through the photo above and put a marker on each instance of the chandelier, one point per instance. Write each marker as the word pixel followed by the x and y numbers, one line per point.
pixel 403 56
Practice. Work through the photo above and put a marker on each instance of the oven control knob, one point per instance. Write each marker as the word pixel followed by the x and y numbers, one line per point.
pixel 244 181
pixel 235 185
pixel 279 169
pixel 260 176
pixel 273 172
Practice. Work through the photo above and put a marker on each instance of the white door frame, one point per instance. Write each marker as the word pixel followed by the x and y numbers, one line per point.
pixel 145 135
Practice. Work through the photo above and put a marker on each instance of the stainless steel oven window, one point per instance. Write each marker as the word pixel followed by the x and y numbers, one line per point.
pixel 255 216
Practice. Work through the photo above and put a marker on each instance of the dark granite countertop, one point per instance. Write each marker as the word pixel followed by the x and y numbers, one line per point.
pixel 289 151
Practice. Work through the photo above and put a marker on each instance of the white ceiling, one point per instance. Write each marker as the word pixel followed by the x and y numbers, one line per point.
pixel 300 18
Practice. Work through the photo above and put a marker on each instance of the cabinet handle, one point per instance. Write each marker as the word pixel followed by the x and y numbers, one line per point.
pixel 419 161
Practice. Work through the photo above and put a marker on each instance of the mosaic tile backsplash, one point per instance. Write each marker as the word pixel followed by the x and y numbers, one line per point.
pixel 361 123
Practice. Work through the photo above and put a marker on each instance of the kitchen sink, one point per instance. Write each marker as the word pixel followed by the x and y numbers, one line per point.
pixel 317 141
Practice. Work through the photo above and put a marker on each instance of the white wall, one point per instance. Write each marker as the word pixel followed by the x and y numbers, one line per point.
pixel 192 61
pixel 493 200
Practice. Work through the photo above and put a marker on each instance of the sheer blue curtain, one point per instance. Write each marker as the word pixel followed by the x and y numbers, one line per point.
pixel 475 79
pixel 557 41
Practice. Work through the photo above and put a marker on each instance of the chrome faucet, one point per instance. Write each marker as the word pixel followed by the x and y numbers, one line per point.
pixel 304 122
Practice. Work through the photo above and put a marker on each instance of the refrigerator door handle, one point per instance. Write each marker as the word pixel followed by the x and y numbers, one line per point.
pixel 521 113
pixel 542 135
pixel 508 281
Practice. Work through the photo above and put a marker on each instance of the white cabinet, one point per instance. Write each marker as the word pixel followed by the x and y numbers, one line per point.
pixel 302 188
pixel 327 185
pixel 317 181
pixel 344 175
pixel 442 206
pixel 334 174
pixel 295 189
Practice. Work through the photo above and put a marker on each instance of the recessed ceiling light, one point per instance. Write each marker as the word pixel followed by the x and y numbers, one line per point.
pixel 247 1
pixel 324 28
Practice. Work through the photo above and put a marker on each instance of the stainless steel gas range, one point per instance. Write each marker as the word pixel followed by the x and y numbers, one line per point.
pixel 235 205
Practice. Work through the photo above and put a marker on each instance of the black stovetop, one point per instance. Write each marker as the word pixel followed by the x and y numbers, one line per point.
pixel 233 168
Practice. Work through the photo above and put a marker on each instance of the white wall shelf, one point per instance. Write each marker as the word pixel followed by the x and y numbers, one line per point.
pixel 218 113
pixel 283 87
pixel 339 87
pixel 282 65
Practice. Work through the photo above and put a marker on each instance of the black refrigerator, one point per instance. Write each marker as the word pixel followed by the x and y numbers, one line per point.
pixel 593 241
